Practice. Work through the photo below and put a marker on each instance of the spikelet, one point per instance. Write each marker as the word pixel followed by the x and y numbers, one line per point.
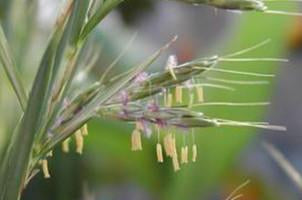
pixel 168 146
pixel 136 141
pixel 200 95
pixel 194 153
pixel 65 145
pixel 184 155
pixel 79 141
pixel 159 153
pixel 84 130
pixel 178 94
pixel 45 170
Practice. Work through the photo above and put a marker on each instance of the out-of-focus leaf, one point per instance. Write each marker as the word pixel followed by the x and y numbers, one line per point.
pixel 99 15
pixel 13 177
pixel 11 70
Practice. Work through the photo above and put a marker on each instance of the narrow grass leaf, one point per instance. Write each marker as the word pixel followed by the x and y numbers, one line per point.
pixel 99 15
pixel 11 70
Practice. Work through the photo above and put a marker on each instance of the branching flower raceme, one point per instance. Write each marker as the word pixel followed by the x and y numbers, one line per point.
pixel 157 104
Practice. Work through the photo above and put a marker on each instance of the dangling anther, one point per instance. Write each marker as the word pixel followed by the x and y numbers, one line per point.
pixel 184 155
pixel 178 94
pixel 200 94
pixel 84 130
pixel 169 101
pixel 136 141
pixel 194 153
pixel 65 145
pixel 159 153
pixel 175 162
pixel 45 168
pixel 168 144
pixel 175 155
pixel 191 100
pixel 79 141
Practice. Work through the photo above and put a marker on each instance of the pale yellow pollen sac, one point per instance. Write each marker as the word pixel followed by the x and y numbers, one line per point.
pixel 168 144
pixel 136 141
pixel 184 155
pixel 45 168
pixel 79 140
pixel 178 94
pixel 84 130
pixel 174 155
pixel 159 153
pixel 176 166
pixel 173 146
pixel 169 100
pixel 200 94
pixel 191 100
pixel 65 145
pixel 194 153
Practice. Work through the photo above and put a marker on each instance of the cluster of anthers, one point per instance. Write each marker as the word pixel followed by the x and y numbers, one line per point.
pixel 163 117
pixel 169 139
pixel 79 142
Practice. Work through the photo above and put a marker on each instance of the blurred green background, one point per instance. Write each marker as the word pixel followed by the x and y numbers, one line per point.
pixel 108 169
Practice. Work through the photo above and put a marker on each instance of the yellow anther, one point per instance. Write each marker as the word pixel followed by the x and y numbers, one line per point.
pixel 159 153
pixel 200 94
pixel 178 94
pixel 79 141
pixel 191 100
pixel 175 162
pixel 45 168
pixel 194 153
pixel 136 141
pixel 84 130
pixel 169 101
pixel 184 155
pixel 65 145
pixel 168 144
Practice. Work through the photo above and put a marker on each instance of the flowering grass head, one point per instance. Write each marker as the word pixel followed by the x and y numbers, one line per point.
pixel 159 104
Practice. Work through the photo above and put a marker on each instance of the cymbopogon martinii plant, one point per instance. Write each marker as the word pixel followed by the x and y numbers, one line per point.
pixel 160 103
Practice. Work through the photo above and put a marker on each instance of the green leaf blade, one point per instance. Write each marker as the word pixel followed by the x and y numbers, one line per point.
pixel 11 71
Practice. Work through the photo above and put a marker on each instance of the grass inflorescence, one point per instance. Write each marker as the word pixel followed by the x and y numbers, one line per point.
pixel 54 113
